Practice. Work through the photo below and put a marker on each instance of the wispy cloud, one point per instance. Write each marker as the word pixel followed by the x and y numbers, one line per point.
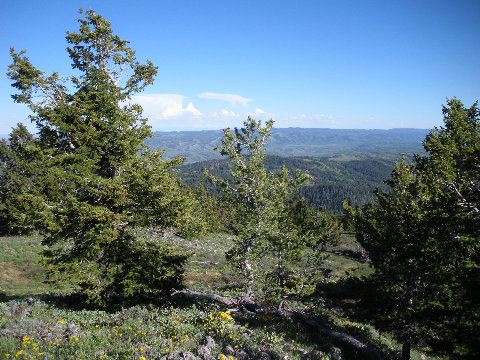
pixel 225 114
pixel 166 111
pixel 192 110
pixel 231 98
pixel 258 112
pixel 164 106
pixel 169 112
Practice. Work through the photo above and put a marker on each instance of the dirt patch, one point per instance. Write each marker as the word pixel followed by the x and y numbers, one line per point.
pixel 9 273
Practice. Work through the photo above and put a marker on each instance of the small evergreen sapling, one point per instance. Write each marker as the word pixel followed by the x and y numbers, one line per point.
pixel 269 243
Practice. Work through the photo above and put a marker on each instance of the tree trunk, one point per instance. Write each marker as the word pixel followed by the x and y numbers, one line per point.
pixel 248 271
pixel 406 350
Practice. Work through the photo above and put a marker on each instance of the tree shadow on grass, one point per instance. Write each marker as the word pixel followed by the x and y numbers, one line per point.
pixel 354 300
pixel 358 300
pixel 60 300
pixel 358 256
pixel 350 295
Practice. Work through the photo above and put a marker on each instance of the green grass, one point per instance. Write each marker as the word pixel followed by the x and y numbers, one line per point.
pixel 39 321
pixel 43 330
pixel 20 269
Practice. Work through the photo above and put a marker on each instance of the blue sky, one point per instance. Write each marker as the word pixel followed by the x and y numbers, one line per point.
pixel 321 64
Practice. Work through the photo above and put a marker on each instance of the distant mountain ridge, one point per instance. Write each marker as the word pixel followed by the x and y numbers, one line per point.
pixel 352 177
pixel 198 145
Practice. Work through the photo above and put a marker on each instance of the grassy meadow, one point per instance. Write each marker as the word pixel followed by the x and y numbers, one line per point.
pixel 41 321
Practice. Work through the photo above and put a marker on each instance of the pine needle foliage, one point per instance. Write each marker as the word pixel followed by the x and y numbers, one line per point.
pixel 100 183
pixel 265 231
pixel 423 238
pixel 22 200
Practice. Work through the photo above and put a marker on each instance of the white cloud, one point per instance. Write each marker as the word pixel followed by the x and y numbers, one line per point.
pixel 191 109
pixel 173 112
pixel 231 98
pixel 164 106
pixel 225 114
pixel 168 112
pixel 259 112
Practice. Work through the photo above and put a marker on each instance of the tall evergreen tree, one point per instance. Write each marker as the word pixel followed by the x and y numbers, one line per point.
pixel 452 172
pixel 423 237
pixel 394 233
pixel 108 184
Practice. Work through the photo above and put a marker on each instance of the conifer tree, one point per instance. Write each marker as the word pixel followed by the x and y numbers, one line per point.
pixel 108 185
pixel 267 240
pixel 394 233
pixel 423 237
pixel 21 193
pixel 208 208
pixel 451 171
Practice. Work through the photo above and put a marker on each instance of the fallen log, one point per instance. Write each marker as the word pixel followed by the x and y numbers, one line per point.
pixel 347 343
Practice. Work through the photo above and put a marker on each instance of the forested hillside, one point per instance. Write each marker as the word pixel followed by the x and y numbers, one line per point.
pixel 351 177
pixel 106 252
pixel 198 145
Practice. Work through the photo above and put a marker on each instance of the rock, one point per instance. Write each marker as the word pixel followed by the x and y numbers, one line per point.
pixel 204 352
pixel 263 356
pixel 30 300
pixel 240 354
pixel 315 354
pixel 228 350
pixel 335 353
pixel 7 332
pixel 209 343
pixel 145 350
pixel 180 355
pixel 73 330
